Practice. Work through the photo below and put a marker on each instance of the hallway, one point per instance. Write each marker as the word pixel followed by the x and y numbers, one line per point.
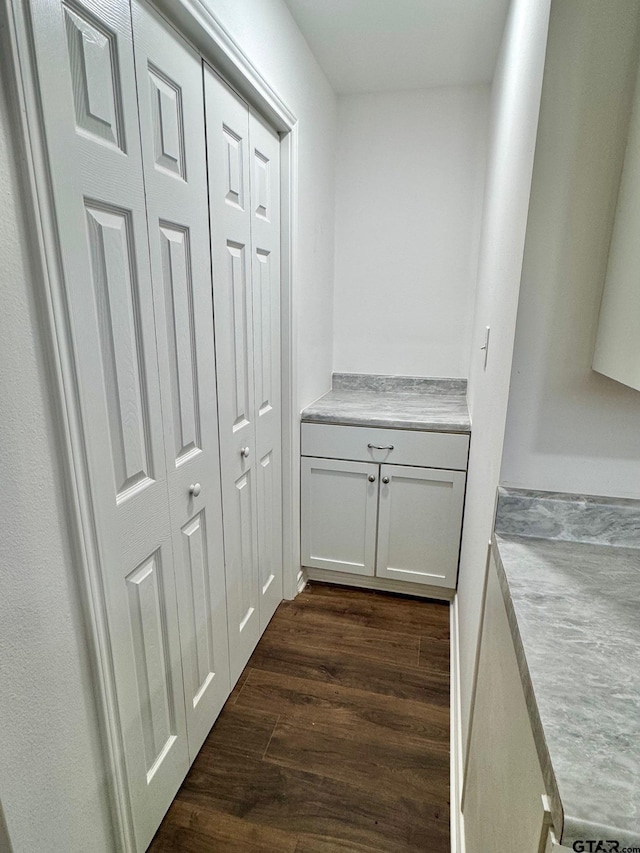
pixel 336 737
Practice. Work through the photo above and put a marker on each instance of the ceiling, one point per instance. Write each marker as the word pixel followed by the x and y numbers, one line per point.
pixel 387 45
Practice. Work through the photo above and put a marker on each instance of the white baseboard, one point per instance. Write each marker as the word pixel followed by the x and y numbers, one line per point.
pixel 382 584
pixel 457 759
pixel 301 580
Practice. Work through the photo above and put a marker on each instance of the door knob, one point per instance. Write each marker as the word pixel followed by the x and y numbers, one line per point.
pixel 385 480
pixel 244 452
pixel 372 479
pixel 195 489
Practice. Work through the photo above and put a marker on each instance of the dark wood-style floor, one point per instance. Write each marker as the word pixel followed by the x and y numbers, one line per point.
pixel 335 739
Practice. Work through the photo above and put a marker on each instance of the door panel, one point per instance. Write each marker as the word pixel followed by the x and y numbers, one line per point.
pixel 243 549
pixel 94 72
pixel 268 543
pixel 84 58
pixel 118 307
pixel 196 624
pixel 156 692
pixel 265 274
pixel 419 524
pixel 169 79
pixel 227 119
pixel 178 285
pixel 339 506
pixel 240 367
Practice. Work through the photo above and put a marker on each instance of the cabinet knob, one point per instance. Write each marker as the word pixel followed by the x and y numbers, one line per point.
pixel 244 452
pixel 195 489
pixel 385 480
pixel 372 479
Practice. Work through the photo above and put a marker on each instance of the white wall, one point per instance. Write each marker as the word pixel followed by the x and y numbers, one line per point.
pixel 569 428
pixel 409 187
pixel 515 102
pixel 52 789
pixel 267 33
pixel 51 785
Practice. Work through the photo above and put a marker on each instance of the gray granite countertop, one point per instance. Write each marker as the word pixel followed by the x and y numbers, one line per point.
pixel 393 401
pixel 574 610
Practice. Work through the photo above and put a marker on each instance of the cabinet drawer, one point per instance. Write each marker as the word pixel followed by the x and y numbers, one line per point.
pixel 400 446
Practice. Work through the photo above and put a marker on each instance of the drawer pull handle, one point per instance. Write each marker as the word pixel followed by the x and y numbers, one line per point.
pixel 380 446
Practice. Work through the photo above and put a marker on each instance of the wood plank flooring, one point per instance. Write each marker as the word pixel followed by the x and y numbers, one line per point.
pixel 334 740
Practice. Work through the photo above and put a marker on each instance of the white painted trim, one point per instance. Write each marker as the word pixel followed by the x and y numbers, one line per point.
pixel 218 47
pixel 418 590
pixel 289 361
pixel 457 757
pixel 302 580
pixel 203 29
pixel 476 667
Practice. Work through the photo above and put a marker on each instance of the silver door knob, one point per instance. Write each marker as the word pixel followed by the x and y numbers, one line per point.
pixel 372 479
pixel 244 452
pixel 385 480
pixel 195 489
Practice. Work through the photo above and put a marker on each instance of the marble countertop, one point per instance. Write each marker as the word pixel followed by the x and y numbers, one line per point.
pixel 401 402
pixel 574 610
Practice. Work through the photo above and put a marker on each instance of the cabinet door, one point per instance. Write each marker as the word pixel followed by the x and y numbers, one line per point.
pixel 339 515
pixel 419 524
pixel 171 104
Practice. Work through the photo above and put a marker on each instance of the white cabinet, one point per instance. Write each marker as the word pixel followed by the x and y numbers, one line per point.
pixel 364 513
pixel 504 787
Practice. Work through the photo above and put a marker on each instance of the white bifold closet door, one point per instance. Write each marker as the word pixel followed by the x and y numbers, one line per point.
pixel 244 198
pixel 171 106
pixel 137 290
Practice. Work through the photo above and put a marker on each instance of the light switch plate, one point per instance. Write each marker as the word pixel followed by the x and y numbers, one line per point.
pixel 485 345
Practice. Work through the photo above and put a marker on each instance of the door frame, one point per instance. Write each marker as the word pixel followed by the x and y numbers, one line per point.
pixel 207 34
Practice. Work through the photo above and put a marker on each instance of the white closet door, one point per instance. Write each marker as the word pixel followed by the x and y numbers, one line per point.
pixel 265 273
pixel 228 148
pixel 86 74
pixel 171 104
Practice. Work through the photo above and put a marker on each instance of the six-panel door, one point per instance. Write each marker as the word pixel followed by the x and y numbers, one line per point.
pixel 265 278
pixel 339 504
pixel 85 61
pixel 243 160
pixel 171 108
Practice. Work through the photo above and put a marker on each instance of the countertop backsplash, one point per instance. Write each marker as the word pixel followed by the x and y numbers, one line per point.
pixel 570 518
